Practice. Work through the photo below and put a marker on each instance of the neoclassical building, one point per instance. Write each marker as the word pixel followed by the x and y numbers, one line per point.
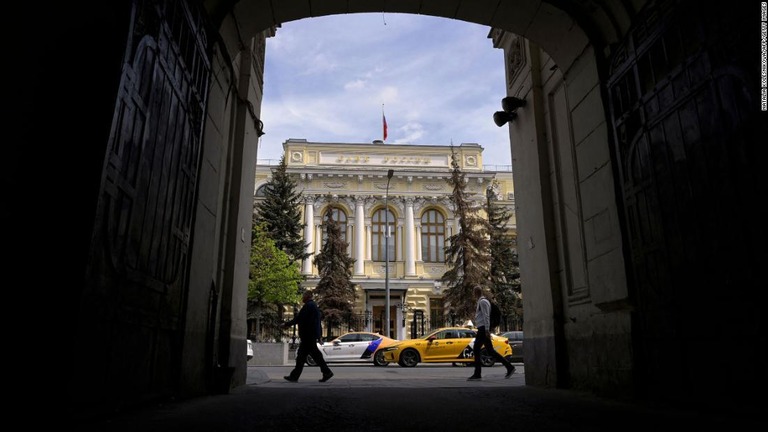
pixel 350 182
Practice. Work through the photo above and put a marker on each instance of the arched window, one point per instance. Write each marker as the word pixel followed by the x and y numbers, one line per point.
pixel 340 217
pixel 378 227
pixel 432 236
pixel 260 191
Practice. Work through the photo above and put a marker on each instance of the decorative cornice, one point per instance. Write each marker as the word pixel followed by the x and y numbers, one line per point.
pixel 335 185
pixel 515 60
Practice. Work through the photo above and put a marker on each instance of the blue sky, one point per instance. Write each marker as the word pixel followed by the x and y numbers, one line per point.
pixel 439 81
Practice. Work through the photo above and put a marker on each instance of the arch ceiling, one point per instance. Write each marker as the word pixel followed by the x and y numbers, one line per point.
pixel 561 27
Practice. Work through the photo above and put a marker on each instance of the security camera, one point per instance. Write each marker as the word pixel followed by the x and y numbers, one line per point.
pixel 511 103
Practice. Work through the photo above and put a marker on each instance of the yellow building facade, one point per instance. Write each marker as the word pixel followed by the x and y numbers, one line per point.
pixel 350 180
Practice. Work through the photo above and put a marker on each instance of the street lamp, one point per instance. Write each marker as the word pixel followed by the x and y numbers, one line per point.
pixel 386 253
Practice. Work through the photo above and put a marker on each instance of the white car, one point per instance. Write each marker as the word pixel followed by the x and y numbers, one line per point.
pixel 354 347
pixel 249 350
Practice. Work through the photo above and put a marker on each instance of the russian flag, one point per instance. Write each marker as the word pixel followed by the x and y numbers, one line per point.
pixel 384 124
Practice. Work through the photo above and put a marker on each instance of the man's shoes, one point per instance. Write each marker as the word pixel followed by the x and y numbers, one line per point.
pixel 326 377
pixel 474 378
pixel 288 378
pixel 510 371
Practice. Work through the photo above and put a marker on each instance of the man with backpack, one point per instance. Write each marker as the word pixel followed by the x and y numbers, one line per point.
pixel 483 338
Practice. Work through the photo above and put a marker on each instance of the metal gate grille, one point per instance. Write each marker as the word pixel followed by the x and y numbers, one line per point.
pixel 683 107
pixel 146 203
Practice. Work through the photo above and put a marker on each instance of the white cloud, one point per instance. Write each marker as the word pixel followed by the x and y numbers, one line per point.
pixel 357 84
pixel 439 81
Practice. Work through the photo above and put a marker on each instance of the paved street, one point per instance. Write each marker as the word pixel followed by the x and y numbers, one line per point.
pixel 367 376
pixel 424 398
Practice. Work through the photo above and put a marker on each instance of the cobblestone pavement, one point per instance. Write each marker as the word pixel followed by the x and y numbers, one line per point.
pixel 433 403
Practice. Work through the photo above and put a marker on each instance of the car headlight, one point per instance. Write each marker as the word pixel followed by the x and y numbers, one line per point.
pixel 390 348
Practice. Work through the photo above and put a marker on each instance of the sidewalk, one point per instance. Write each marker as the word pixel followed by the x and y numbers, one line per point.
pixel 342 405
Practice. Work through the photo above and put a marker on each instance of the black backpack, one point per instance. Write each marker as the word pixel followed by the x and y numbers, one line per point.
pixel 495 315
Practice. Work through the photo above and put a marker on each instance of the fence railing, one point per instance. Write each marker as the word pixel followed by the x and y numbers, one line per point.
pixel 418 326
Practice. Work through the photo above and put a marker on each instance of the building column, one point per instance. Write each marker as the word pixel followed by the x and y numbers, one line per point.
pixel 309 234
pixel 410 246
pixel 359 242
pixel 319 238
pixel 350 241
pixel 368 242
pixel 399 242
pixel 418 243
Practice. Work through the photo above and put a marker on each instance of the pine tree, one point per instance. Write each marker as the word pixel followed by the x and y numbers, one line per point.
pixel 281 212
pixel 335 293
pixel 505 267
pixel 467 250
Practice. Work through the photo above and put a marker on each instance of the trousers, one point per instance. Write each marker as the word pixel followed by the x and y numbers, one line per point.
pixel 309 348
pixel 483 339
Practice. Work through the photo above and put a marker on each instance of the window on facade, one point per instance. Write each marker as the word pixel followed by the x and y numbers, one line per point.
pixel 432 236
pixel 340 217
pixel 378 230
pixel 436 312
pixel 260 191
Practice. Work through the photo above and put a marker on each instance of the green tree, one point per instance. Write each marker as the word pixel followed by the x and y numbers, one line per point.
pixel 272 280
pixel 467 251
pixel 335 292
pixel 505 267
pixel 280 211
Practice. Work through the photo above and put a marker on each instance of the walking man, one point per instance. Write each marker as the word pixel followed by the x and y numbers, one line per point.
pixel 310 332
pixel 483 338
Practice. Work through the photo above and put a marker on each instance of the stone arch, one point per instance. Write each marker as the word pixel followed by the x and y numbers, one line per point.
pixel 561 28
pixel 392 207
pixel 258 190
pixel 336 204
pixel 578 38
pixel 440 208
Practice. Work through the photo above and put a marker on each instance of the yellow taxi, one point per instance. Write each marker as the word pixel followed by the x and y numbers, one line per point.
pixel 444 345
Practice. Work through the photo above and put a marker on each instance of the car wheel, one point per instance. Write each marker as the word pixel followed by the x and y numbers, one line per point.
pixel 311 361
pixel 378 359
pixel 409 358
pixel 486 360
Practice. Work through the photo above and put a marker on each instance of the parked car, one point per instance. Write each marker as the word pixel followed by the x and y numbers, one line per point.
pixel 445 345
pixel 249 350
pixel 516 342
pixel 355 347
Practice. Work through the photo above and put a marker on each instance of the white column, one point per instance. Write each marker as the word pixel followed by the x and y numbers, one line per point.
pixel 359 236
pixel 399 242
pixel 309 233
pixel 319 237
pixel 418 243
pixel 350 240
pixel 410 260
pixel 368 242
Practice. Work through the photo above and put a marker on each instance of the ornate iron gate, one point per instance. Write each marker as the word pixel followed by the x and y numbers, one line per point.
pixel 684 103
pixel 137 268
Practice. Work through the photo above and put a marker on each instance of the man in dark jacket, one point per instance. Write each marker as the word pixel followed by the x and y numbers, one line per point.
pixel 310 333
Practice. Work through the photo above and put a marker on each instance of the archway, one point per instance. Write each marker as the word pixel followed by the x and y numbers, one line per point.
pixel 203 325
